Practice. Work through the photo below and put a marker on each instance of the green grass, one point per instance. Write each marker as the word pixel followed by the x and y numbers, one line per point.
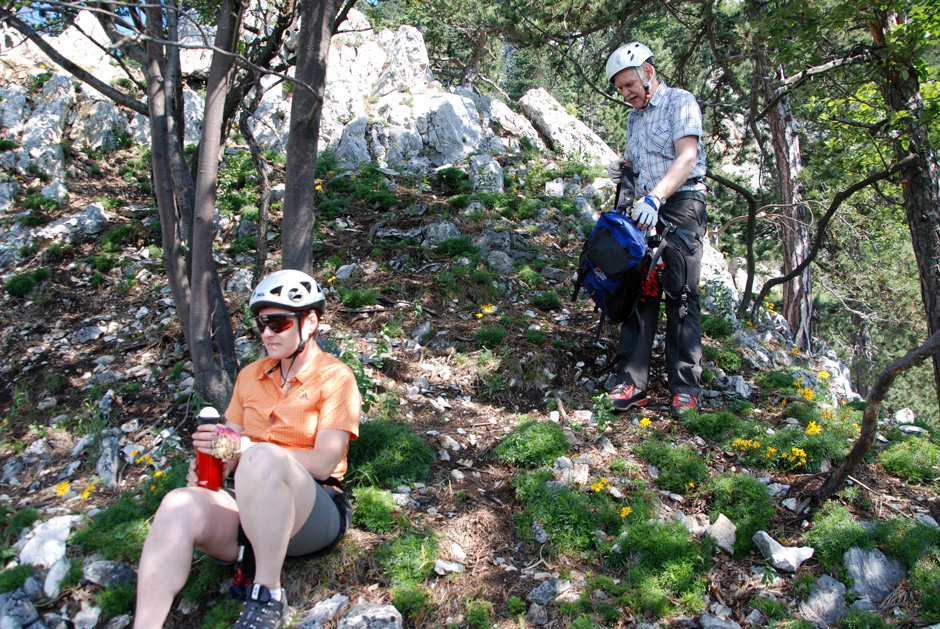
pixel 532 444
pixel 745 501
pixel 727 358
pixel 915 459
pixel 862 619
pixel 411 601
pixel 409 558
pixel 375 509
pixel 906 540
pixel 834 531
pixel 490 336
pixel 478 614
pixel 358 297
pixel 681 469
pixel 454 181
pixel 716 327
pixel 387 454
pixel 530 277
pixel 14 578
pixel 458 247
pixel 116 600
pixel 924 579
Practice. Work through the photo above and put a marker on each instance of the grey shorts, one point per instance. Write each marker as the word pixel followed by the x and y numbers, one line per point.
pixel 318 532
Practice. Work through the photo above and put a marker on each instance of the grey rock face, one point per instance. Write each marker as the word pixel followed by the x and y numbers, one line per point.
pixel 714 622
pixel 825 605
pixel 108 573
pixel 437 233
pixel 322 612
pixel 75 228
pixel 407 62
pixel 546 592
pixel 781 557
pixel 486 175
pixel 723 532
pixel 566 133
pixel 874 575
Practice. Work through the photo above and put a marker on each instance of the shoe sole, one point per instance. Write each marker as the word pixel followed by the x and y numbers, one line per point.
pixel 635 404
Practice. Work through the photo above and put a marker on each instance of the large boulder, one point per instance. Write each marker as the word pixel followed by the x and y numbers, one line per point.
pixel 407 63
pixel 450 127
pixel 565 133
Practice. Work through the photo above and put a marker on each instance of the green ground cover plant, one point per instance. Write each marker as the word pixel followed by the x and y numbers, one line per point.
pixel 375 509
pixel 388 454
pixel 745 501
pixel 834 531
pixel 532 444
pixel 409 558
pixel 915 459
pixel 681 469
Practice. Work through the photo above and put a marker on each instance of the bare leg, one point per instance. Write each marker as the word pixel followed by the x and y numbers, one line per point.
pixel 275 496
pixel 188 517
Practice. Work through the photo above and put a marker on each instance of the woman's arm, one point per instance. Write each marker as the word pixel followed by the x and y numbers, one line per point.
pixel 328 451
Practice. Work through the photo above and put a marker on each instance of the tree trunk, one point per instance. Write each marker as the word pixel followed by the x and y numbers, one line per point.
pixel 794 230
pixel 316 29
pixel 872 410
pixel 920 180
pixel 211 379
pixel 863 355
pixel 263 168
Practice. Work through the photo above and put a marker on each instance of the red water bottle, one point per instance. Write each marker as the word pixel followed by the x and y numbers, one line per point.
pixel 208 467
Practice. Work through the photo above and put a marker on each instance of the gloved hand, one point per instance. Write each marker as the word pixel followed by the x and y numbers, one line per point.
pixel 613 170
pixel 646 211
pixel 228 444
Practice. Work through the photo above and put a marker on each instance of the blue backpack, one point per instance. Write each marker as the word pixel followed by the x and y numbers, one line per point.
pixel 615 261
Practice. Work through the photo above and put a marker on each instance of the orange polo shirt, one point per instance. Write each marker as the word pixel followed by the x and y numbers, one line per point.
pixel 322 395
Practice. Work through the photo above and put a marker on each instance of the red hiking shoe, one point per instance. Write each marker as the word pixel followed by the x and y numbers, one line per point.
pixel 682 402
pixel 626 396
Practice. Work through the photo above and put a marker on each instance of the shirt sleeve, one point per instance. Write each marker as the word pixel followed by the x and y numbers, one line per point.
pixel 341 403
pixel 686 116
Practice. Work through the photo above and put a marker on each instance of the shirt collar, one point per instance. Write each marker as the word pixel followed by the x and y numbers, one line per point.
pixel 268 364
pixel 658 96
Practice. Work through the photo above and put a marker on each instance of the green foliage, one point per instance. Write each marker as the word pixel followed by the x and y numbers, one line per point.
pixel 906 540
pixel 681 469
pixel 773 608
pixel 546 300
pixel 411 600
pixel 835 531
pixel 862 619
pixel 223 615
pixel 454 181
pixel 114 239
pixel 382 199
pixel 745 501
pixel 570 517
pixel 515 606
pixel 915 459
pixel 242 244
pixel 536 337
pixel 924 579
pixel 457 247
pixel 23 284
pixel 8 145
pixel 358 297
pixel 116 600
pixel 709 425
pixel 716 327
pixel 117 533
pixel 532 444
pixel 375 509
pixel 727 358
pixel 478 614
pixel 776 380
pixel 38 203
pixel 332 208
pixel 388 454
pixel 490 336
pixel 529 277
pixel 103 263
pixel 14 578
pixel 37 81
pixel 409 558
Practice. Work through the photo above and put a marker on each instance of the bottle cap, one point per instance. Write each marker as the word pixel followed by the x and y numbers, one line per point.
pixel 208 414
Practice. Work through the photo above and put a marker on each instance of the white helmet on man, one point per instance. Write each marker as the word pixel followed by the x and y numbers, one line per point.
pixel 632 55
pixel 288 289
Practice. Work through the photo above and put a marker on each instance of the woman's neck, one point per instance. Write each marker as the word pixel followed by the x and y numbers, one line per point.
pixel 292 367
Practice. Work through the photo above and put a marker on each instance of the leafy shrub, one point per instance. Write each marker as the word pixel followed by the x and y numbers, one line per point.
pixel 8 145
pixel 114 238
pixel 357 297
pixel 530 277
pixel 116 600
pixel 906 540
pixel 569 516
pixel 536 337
pixel 746 502
pixel 242 244
pixel 333 208
pixel 375 509
pixel 457 247
pixel 490 336
pixel 925 581
pixel 776 380
pixel 716 327
pixel 409 558
pixel 103 263
pixel 14 578
pixel 454 180
pixel 727 358
pixel 382 199
pixel 478 614
pixel 709 425
pixel 862 619
pixel 681 469
pixel 37 81
pixel 39 203
pixel 835 531
pixel 411 600
pixel 20 285
pixel 532 444
pixel 515 606
pixel 546 300
pixel 388 454
pixel 914 459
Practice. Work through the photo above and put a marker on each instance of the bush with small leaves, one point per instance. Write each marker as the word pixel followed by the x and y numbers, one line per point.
pixel 546 300
pixel 532 444
pixel 916 459
pixel 835 531
pixel 490 336
pixel 375 509
pixel 745 501
pixel 388 454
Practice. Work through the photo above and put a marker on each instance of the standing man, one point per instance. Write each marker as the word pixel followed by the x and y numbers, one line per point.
pixel 665 154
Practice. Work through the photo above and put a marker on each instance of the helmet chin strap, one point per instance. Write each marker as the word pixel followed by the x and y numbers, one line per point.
pixel 293 357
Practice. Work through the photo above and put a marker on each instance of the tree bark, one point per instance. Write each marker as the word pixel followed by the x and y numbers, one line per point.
pixel 211 379
pixel 921 179
pixel 795 236
pixel 263 168
pixel 316 29
pixel 872 410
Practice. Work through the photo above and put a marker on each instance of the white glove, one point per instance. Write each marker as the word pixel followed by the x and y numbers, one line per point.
pixel 646 211
pixel 613 170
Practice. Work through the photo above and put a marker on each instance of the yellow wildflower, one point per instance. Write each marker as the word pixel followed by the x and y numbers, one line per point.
pixel 812 429
pixel 823 375
pixel 645 422
pixel 625 512
pixel 88 491
pixel 62 488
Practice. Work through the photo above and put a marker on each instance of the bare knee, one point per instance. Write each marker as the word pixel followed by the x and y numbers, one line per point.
pixel 263 463
pixel 182 510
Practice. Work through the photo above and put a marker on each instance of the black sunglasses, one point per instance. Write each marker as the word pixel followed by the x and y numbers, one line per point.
pixel 277 322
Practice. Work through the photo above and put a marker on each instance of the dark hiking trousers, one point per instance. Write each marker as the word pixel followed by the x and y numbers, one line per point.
pixel 683 268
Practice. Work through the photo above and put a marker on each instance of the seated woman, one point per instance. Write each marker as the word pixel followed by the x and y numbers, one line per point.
pixel 295 412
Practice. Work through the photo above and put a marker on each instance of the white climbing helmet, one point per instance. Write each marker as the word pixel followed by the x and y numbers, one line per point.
pixel 630 56
pixel 288 289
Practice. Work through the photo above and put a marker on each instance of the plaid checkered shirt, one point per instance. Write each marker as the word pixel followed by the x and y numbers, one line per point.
pixel 652 132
